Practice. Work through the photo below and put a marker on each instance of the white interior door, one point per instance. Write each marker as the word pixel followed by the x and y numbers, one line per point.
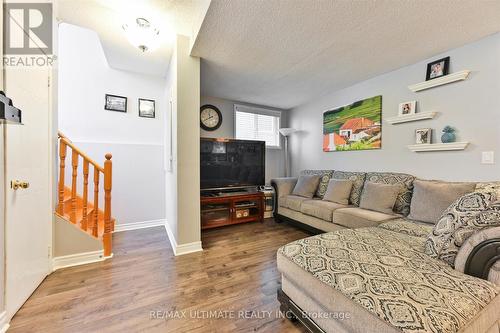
pixel 28 211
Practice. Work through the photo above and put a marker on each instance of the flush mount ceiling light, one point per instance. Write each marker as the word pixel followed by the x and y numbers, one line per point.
pixel 142 34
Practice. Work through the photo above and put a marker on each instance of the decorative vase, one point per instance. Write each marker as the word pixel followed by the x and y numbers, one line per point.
pixel 448 135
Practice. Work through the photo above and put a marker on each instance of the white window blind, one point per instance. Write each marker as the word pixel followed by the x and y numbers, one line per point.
pixel 257 124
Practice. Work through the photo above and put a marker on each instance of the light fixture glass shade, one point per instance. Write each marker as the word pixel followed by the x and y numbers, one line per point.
pixel 286 131
pixel 142 35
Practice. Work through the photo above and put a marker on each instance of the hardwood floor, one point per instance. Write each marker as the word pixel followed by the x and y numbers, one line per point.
pixel 235 276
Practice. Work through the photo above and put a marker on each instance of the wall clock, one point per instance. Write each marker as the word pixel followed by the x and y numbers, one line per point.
pixel 210 117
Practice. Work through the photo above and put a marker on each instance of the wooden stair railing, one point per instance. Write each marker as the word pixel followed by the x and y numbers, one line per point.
pixel 77 209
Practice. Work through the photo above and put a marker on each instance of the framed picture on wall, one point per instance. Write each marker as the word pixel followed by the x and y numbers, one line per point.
pixel 437 68
pixel 423 135
pixel 406 108
pixel 146 108
pixel 115 103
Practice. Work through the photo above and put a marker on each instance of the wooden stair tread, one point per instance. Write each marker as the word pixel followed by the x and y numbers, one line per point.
pixel 78 214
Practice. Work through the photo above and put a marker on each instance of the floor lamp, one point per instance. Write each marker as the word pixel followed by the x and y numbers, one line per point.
pixel 286 132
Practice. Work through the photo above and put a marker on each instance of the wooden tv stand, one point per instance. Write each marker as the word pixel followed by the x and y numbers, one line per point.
pixel 231 208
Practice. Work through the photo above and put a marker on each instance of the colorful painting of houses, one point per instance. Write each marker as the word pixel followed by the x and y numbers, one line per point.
pixel 356 126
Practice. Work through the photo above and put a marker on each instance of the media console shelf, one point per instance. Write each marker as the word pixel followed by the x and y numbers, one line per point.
pixel 227 209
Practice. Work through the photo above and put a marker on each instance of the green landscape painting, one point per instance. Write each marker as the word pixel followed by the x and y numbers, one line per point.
pixel 356 126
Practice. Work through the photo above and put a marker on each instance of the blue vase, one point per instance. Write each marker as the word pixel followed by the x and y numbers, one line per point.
pixel 448 137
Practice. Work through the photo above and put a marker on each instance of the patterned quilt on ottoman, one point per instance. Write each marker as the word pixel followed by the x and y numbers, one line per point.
pixel 388 274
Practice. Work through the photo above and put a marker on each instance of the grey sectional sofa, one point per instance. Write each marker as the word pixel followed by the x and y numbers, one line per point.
pixel 372 272
pixel 317 215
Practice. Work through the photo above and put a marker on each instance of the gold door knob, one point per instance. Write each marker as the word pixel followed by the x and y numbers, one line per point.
pixel 16 184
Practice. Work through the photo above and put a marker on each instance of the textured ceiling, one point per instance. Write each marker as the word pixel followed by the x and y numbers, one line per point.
pixel 106 17
pixel 283 53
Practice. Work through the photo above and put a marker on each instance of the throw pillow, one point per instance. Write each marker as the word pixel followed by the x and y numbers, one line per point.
pixel 306 186
pixel 338 191
pixel 467 215
pixel 379 197
pixel 431 198
pixel 325 176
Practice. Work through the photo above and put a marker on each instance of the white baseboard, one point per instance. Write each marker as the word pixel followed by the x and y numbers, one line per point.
pixel 138 225
pixel 78 259
pixel 4 323
pixel 182 248
pixel 188 248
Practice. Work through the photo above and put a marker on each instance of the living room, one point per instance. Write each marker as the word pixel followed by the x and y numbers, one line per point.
pixel 222 166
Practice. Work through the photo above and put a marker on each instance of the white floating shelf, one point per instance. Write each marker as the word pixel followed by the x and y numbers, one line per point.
pixel 438 146
pixel 458 76
pixel 411 117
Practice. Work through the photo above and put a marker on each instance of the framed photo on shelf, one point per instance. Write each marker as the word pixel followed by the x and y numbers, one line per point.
pixel 437 68
pixel 146 108
pixel 407 108
pixel 115 103
pixel 423 135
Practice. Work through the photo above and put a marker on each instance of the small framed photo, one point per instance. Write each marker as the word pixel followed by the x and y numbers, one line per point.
pixel 115 103
pixel 406 108
pixel 437 68
pixel 423 135
pixel 146 108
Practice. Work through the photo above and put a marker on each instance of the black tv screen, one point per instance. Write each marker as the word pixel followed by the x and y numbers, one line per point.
pixel 231 163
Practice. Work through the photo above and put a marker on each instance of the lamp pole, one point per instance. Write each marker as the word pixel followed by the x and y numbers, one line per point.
pixel 286 132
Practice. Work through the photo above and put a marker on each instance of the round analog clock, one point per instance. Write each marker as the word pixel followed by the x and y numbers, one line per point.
pixel 210 117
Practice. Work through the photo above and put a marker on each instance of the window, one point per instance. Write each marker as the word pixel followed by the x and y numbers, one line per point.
pixel 257 124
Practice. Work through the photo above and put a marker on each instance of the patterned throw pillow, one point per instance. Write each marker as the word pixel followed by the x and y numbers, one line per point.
pixel 323 182
pixel 467 215
pixel 358 179
pixel 402 205
pixel 489 187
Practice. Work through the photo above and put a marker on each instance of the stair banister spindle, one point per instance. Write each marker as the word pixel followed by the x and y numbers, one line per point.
pixel 79 210
pixel 108 171
pixel 62 164
pixel 74 165
pixel 84 224
pixel 95 218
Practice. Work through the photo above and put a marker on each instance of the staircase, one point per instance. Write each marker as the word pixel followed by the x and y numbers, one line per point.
pixel 75 207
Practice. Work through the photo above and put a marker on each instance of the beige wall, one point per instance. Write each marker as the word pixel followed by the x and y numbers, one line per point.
pixel 69 239
pixel 188 144
pixel 183 180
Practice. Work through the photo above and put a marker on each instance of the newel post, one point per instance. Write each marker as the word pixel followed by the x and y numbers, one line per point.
pixel 108 171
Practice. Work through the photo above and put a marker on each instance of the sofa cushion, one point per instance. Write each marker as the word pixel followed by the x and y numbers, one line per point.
pixel 291 201
pixel 379 197
pixel 339 191
pixel 358 179
pixel 325 176
pixel 355 217
pixel 306 186
pixel 403 201
pixel 387 274
pixel 466 216
pixel 408 227
pixel 432 198
pixel 320 208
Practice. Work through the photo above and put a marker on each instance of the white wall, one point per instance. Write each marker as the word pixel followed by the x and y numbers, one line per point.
pixel 136 143
pixel 471 106
pixel 275 164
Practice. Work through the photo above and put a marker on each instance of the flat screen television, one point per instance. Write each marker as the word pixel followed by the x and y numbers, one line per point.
pixel 227 163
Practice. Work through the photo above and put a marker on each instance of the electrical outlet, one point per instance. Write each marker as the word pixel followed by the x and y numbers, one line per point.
pixel 488 157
